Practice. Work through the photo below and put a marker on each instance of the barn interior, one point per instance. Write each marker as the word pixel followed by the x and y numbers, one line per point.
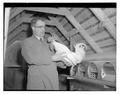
pixel 96 27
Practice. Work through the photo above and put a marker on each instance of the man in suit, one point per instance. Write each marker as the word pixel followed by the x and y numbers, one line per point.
pixel 42 71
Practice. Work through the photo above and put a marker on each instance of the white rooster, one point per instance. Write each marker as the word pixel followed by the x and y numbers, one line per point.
pixel 72 58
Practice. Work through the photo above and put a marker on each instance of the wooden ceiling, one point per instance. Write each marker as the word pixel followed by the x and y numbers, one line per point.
pixel 94 26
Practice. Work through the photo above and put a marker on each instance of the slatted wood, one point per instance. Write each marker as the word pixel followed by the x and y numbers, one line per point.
pixel 109 55
pixel 24 20
pixel 16 12
pixel 106 21
pixel 12 10
pixel 110 11
pixel 57 32
pixel 81 30
pixel 109 49
pixel 45 10
pixel 17 31
pixel 15 24
pixel 75 11
pixel 106 42
pixel 100 35
pixel 77 37
pixel 113 19
pixel 59 18
pixel 84 15
pixel 82 10
pixel 72 32
pixel 62 38
pixel 60 27
pixel 64 21
pixel 90 52
pixel 20 36
pixel 89 22
pixel 68 27
pixel 24 14
pixel 82 41
pixel 92 30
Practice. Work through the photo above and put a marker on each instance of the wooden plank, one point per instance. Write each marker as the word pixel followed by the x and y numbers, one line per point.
pixel 19 36
pixel 45 10
pixel 75 11
pixel 80 29
pixel 110 11
pixel 59 18
pixel 89 22
pixel 15 24
pixel 60 27
pixel 35 9
pixel 113 20
pixel 77 37
pixel 72 32
pixel 20 21
pixel 103 56
pixel 90 52
pixel 64 21
pixel 17 31
pixel 106 42
pixel 111 48
pixel 106 21
pixel 84 15
pixel 63 38
pixel 100 35
pixel 68 27
pixel 24 20
pixel 16 12
pixel 92 30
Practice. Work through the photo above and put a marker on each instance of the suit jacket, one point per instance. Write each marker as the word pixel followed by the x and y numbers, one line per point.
pixel 43 75
pixel 36 52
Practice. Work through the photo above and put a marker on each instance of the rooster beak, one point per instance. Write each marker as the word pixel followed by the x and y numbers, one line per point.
pixel 85 47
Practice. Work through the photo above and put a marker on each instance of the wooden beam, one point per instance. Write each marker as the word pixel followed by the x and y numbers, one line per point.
pixel 46 10
pixel 19 22
pixel 17 31
pixel 27 20
pixel 16 12
pixel 80 29
pixel 40 9
pixel 24 20
pixel 101 56
pixel 106 21
pixel 60 27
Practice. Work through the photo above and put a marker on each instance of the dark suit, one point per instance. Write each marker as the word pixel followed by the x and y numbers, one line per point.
pixel 42 73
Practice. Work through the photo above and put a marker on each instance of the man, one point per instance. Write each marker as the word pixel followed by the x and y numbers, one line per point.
pixel 42 72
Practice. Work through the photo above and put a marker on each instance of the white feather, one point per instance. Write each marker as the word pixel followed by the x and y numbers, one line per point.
pixel 71 57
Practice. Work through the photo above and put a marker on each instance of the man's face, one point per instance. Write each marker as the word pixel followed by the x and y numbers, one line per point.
pixel 39 28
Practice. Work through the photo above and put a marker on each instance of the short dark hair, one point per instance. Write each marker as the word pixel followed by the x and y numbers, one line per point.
pixel 34 20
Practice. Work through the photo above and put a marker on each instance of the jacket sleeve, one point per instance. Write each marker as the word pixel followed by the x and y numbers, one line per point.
pixel 25 53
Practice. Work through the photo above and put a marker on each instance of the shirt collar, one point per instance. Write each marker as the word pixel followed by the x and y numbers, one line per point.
pixel 39 38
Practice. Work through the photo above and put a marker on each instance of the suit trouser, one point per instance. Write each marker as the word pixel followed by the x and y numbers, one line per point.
pixel 42 77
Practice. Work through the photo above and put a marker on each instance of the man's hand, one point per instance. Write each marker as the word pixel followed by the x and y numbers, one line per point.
pixel 61 57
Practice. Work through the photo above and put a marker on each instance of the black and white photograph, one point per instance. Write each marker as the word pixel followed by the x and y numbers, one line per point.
pixel 59 47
